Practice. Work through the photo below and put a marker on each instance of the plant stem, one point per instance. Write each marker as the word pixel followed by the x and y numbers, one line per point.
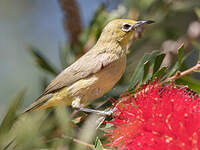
pixel 79 142
pixel 181 74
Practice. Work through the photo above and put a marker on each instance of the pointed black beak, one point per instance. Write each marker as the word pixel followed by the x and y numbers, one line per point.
pixel 140 23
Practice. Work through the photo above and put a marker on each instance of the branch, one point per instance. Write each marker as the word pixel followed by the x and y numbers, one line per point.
pixel 79 141
pixel 174 77
pixel 181 74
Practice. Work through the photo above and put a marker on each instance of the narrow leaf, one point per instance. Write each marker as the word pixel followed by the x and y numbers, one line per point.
pixel 197 11
pixel 190 82
pixel 147 66
pixel 98 12
pixel 140 71
pixel 158 62
pixel 172 71
pixel 10 116
pixel 67 57
pixel 98 144
pixel 42 62
pixel 159 73
pixel 196 45
pixel 179 64
pixel 180 56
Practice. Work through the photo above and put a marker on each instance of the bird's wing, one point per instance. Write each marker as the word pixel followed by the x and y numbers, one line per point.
pixel 82 68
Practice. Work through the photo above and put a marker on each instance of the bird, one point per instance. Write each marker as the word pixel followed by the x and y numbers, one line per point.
pixel 94 73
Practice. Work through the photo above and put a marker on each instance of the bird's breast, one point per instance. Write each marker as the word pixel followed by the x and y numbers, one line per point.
pixel 99 83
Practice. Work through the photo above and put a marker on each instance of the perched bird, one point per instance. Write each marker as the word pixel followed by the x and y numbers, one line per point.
pixel 95 73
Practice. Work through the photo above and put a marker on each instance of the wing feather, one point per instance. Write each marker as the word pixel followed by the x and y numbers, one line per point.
pixel 82 68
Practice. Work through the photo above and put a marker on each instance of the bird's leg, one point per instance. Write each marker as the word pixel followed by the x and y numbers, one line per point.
pixel 100 112
pixel 76 105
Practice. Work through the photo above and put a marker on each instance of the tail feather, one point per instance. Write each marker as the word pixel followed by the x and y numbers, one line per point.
pixel 39 102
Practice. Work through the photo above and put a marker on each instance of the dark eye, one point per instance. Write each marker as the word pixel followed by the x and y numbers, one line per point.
pixel 126 27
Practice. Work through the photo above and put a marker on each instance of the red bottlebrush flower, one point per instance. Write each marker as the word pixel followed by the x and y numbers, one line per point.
pixel 163 118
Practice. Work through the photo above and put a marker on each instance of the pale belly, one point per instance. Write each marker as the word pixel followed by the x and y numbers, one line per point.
pixel 97 84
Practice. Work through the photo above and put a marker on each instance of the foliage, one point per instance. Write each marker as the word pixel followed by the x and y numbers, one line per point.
pixel 60 128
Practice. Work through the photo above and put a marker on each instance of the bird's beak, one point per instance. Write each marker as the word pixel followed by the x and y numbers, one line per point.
pixel 140 23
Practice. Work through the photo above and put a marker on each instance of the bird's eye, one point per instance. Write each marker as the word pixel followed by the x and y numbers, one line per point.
pixel 126 27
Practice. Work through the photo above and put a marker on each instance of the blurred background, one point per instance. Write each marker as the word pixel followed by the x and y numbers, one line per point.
pixel 57 32
pixel 39 38
pixel 37 23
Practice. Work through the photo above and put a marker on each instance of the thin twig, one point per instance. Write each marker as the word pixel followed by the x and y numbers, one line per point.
pixel 176 76
pixel 181 74
pixel 79 142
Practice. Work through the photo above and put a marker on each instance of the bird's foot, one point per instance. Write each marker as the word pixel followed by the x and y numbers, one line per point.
pixel 99 112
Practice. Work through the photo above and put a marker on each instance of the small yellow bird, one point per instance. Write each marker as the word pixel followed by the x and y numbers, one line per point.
pixel 95 73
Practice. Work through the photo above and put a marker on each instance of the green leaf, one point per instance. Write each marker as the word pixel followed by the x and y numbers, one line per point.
pixel 196 71
pixel 63 119
pixel 172 71
pixel 30 125
pixel 196 45
pixel 180 56
pixel 98 144
pixel 147 66
pixel 42 62
pixel 197 11
pixel 88 128
pixel 190 82
pixel 159 73
pixel 10 116
pixel 179 64
pixel 67 57
pixel 98 21
pixel 99 12
pixel 43 82
pixel 142 69
pixel 158 61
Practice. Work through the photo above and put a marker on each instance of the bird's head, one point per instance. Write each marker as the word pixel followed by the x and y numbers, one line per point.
pixel 120 30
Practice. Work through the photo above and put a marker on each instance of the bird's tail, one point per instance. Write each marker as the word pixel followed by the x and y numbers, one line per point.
pixel 38 103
